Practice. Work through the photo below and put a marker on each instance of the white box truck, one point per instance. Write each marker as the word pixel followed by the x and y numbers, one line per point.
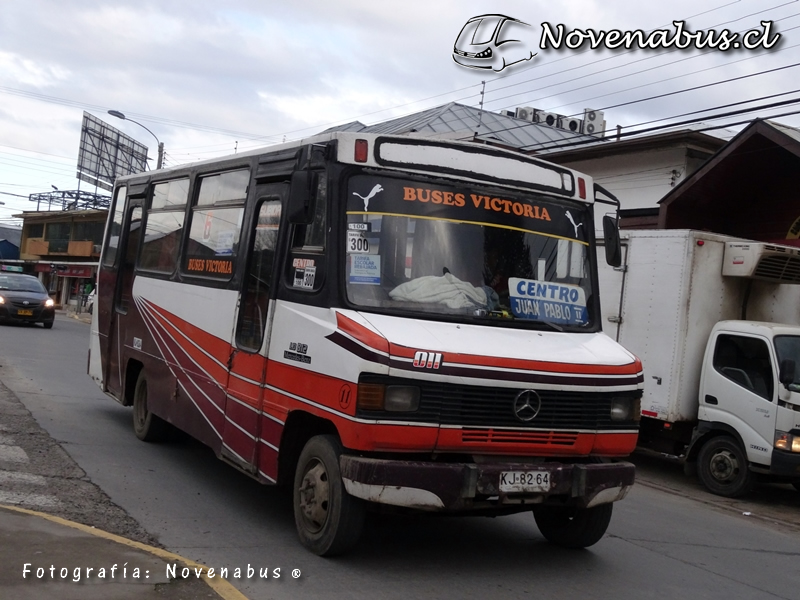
pixel 716 323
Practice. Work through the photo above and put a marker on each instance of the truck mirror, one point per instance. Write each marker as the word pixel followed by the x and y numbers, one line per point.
pixel 301 197
pixel 786 375
pixel 611 241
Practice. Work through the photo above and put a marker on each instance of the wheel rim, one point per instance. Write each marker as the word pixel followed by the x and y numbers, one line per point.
pixel 314 496
pixel 724 466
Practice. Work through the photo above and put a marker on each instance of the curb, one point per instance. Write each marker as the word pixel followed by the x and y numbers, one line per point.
pixel 222 587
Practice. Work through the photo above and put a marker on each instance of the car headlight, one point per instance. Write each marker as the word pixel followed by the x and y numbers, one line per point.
pixel 787 441
pixel 49 302
pixel 2 300
pixel 392 398
pixel 484 53
pixel 625 409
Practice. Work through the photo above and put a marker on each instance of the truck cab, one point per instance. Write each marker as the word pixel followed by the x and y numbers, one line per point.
pixel 749 410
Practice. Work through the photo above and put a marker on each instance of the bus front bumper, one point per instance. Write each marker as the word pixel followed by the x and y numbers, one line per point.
pixel 484 486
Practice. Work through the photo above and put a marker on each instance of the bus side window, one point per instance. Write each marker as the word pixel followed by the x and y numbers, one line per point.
pixel 164 226
pixel 308 246
pixel 115 229
pixel 261 258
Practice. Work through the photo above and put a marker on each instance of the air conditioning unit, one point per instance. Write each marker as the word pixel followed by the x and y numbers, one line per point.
pixel 571 124
pixel 594 122
pixel 525 113
pixel 547 118
pixel 757 260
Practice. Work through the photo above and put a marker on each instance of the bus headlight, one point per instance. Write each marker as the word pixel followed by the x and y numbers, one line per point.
pixel 391 398
pixel 402 398
pixel 625 409
pixel 787 442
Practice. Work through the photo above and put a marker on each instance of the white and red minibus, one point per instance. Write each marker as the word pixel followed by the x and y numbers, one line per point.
pixel 374 319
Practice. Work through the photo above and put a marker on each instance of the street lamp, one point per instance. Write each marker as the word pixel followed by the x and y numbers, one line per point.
pixel 119 115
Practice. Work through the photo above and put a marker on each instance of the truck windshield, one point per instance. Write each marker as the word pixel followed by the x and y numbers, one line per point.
pixel 787 347
pixel 467 250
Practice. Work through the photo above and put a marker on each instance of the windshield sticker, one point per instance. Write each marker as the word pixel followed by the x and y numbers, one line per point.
pixel 302 263
pixel 547 301
pixel 365 268
pixel 225 241
pixel 531 213
pixel 304 278
pixel 357 243
pixel 360 226
pixel 377 189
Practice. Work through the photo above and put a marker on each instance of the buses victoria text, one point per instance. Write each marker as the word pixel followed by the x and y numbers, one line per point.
pixel 374 319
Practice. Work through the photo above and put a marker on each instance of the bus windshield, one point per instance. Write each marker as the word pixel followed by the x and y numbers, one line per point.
pixel 467 250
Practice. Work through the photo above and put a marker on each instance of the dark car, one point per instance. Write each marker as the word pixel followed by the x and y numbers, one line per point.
pixel 23 298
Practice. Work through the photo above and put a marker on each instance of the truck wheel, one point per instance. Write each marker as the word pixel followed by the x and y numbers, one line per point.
pixel 329 520
pixel 723 469
pixel 573 527
pixel 147 426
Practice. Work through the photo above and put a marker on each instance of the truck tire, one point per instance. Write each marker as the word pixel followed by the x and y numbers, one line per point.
pixel 147 426
pixel 573 527
pixel 329 520
pixel 722 466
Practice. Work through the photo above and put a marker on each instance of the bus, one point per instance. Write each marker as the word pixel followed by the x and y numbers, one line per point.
pixel 375 320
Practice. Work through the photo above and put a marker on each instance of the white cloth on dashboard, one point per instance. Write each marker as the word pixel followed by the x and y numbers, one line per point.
pixel 447 290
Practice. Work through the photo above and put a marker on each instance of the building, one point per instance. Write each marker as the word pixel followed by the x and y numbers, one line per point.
pixel 9 242
pixel 63 249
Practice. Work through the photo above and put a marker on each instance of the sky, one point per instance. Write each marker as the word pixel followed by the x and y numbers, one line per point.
pixel 213 78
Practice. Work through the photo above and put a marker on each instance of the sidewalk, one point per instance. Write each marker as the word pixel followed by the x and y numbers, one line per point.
pixel 46 553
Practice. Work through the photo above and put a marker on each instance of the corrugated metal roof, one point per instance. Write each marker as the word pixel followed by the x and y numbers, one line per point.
pixel 465 122
pixel 790 131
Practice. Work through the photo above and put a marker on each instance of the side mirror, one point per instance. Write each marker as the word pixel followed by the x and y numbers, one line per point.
pixel 301 197
pixel 786 375
pixel 612 242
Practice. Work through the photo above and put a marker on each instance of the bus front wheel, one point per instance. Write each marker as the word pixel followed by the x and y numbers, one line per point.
pixel 573 527
pixel 147 426
pixel 329 521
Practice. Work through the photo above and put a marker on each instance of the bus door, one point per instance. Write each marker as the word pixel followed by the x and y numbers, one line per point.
pixel 123 296
pixel 248 361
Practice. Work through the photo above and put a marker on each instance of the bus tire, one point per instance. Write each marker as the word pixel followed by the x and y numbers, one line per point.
pixel 329 520
pixel 147 426
pixel 722 466
pixel 573 527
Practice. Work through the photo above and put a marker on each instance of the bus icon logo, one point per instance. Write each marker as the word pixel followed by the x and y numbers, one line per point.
pixel 427 360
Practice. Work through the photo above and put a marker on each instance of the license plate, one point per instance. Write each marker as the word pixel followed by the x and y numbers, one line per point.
pixel 524 481
pixel 25 312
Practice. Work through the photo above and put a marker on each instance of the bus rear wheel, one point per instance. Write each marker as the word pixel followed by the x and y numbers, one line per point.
pixel 329 520
pixel 147 426
pixel 573 527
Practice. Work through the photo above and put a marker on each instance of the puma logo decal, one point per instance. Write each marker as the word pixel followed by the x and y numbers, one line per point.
pixel 375 191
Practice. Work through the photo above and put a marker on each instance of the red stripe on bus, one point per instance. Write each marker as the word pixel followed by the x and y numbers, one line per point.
pixel 362 334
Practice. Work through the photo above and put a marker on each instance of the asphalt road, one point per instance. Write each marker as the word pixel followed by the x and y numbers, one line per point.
pixel 668 539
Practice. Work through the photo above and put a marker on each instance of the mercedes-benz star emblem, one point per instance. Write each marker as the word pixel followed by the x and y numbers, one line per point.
pixel 527 405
